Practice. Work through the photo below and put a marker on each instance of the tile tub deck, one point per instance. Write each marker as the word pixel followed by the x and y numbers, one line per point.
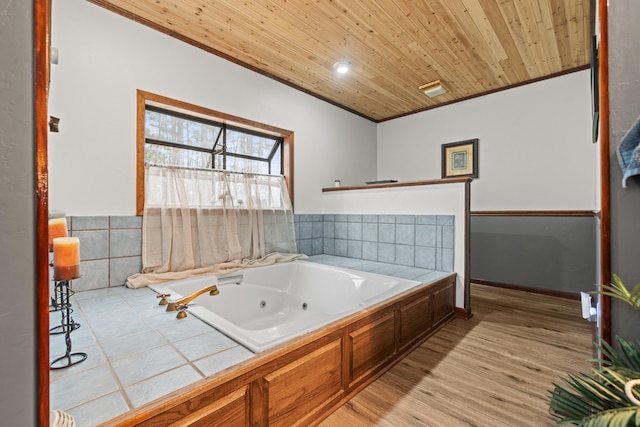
pixel 138 352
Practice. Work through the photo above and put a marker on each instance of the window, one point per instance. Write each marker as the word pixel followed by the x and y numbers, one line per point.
pixel 178 139
pixel 172 132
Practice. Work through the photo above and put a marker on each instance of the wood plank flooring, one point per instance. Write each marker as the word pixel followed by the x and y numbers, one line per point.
pixel 493 370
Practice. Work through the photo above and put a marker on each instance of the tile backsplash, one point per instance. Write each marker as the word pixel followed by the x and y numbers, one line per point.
pixel 111 246
pixel 110 249
pixel 424 241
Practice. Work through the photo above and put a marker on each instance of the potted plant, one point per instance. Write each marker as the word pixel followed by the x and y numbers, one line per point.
pixel 605 396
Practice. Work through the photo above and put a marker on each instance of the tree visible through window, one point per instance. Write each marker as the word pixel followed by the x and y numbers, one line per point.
pixel 174 138
pixel 172 132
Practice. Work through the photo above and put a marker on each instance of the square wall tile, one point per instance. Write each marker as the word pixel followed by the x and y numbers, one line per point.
pixel 426 235
pixel 370 232
pixel 329 246
pixel 125 242
pixel 93 275
pixel 370 251
pixel 316 246
pixel 405 255
pixel 317 230
pixel 447 236
pixel 386 233
pixel 305 246
pixel 425 257
pixel 93 244
pixel 445 219
pixel 341 218
pixel 90 222
pixel 121 268
pixel 354 218
pixel 426 219
pixel 405 219
pixel 125 222
pixel 329 230
pixel 341 230
pixel 354 249
pixel 447 260
pixel 370 218
pixel 329 218
pixel 354 231
pixel 341 247
pixel 387 219
pixel 405 234
pixel 306 230
pixel 387 253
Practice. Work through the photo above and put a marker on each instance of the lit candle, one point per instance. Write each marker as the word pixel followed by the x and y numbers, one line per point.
pixel 57 228
pixel 66 258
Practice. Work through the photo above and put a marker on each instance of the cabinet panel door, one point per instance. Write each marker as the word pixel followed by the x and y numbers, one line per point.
pixel 444 303
pixel 415 318
pixel 370 346
pixel 231 411
pixel 297 390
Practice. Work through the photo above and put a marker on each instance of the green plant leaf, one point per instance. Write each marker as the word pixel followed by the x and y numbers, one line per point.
pixel 618 290
pixel 620 417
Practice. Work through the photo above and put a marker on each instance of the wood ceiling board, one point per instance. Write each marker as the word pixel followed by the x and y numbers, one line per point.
pixel 473 46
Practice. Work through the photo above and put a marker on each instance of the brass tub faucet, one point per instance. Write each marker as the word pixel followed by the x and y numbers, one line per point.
pixel 173 305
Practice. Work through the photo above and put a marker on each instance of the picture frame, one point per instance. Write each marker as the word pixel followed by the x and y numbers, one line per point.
pixel 460 159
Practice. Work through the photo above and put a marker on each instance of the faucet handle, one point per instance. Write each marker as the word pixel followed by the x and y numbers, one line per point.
pixel 181 311
pixel 164 297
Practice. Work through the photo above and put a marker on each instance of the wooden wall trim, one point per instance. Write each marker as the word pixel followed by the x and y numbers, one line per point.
pixel 42 31
pixel 550 292
pixel 398 184
pixel 605 196
pixel 537 213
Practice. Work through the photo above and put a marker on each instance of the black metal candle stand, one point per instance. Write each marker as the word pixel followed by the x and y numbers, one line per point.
pixel 61 302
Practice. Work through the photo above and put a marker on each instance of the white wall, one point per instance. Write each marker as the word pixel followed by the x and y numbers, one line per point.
pixel 535 149
pixel 104 58
pixel 534 143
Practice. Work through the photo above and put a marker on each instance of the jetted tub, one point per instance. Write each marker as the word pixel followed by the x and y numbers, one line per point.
pixel 273 304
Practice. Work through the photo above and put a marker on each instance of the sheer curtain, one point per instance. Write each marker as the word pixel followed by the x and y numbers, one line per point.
pixel 195 218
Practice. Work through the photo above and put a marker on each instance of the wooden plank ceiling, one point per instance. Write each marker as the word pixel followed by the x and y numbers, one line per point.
pixel 473 46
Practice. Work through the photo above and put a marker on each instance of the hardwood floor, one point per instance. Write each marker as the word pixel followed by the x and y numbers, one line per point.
pixel 492 370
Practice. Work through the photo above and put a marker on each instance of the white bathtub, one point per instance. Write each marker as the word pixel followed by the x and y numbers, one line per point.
pixel 273 304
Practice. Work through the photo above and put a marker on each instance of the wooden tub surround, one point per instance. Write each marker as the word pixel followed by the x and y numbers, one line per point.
pixel 302 382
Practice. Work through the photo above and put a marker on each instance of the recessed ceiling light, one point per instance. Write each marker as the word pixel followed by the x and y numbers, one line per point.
pixel 342 67
pixel 434 88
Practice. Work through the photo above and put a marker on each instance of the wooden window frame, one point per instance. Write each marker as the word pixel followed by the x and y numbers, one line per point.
pixel 146 98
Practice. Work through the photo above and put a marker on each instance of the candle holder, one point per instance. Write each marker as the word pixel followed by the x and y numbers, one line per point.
pixel 66 326
pixel 61 302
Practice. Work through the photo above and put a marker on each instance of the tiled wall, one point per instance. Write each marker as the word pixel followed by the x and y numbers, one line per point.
pixel 111 246
pixel 424 241
pixel 110 249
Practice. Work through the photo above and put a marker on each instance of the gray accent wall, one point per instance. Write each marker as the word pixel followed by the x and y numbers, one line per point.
pixel 544 252
pixel 18 394
pixel 624 98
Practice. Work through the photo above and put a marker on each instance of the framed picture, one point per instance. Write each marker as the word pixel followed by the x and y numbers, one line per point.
pixel 460 159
